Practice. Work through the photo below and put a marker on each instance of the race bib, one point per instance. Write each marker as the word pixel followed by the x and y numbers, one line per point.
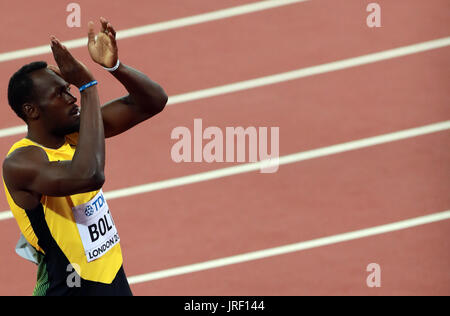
pixel 96 227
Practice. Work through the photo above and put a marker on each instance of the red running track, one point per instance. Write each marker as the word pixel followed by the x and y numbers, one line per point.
pixel 302 201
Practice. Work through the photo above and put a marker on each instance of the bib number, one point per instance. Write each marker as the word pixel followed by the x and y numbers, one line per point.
pixel 96 227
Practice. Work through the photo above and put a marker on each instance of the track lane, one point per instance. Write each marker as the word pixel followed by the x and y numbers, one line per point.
pixel 302 201
pixel 127 15
pixel 361 127
pixel 415 96
pixel 369 187
pixel 192 58
pixel 413 262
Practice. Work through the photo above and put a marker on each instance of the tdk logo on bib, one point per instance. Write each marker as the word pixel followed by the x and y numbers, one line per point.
pixel 95 206
pixel 96 227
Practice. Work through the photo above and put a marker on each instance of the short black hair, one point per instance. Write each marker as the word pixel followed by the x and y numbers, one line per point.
pixel 20 88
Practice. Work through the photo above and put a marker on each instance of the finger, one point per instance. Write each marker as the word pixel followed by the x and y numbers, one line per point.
pixel 56 43
pixel 62 48
pixel 56 49
pixel 52 41
pixel 113 39
pixel 104 24
pixel 111 29
pixel 60 51
pixel 57 55
pixel 91 33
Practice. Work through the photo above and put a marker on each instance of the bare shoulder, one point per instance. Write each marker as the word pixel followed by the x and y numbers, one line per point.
pixel 18 164
pixel 24 156
pixel 19 170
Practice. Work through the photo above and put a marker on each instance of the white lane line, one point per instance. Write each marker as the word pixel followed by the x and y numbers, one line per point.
pixel 287 76
pixel 6 215
pixel 277 251
pixel 249 167
pixel 11 131
pixel 311 71
pixel 158 27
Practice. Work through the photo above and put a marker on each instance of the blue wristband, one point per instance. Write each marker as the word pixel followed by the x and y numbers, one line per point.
pixel 90 84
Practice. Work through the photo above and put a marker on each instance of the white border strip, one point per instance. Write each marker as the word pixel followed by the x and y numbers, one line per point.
pixel 249 167
pixel 271 252
pixel 158 27
pixel 287 76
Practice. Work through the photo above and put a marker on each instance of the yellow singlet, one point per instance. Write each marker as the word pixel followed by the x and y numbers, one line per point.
pixel 88 241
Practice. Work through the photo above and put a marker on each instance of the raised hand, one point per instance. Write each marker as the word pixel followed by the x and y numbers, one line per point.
pixel 69 68
pixel 103 49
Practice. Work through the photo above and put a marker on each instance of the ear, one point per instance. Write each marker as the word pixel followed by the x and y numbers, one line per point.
pixel 31 111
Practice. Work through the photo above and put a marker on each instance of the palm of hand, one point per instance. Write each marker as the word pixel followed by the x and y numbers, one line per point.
pixel 103 51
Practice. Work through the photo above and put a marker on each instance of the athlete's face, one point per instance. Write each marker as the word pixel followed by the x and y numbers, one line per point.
pixel 55 104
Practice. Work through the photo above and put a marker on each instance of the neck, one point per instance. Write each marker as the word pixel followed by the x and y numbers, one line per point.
pixel 45 139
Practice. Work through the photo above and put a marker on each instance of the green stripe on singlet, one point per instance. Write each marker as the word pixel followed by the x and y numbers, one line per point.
pixel 42 283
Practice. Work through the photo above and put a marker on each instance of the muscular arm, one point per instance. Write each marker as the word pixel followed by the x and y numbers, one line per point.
pixel 146 98
pixel 89 157
pixel 27 172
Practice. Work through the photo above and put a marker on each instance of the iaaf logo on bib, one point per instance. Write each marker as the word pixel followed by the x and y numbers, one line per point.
pixel 89 210
pixel 98 203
